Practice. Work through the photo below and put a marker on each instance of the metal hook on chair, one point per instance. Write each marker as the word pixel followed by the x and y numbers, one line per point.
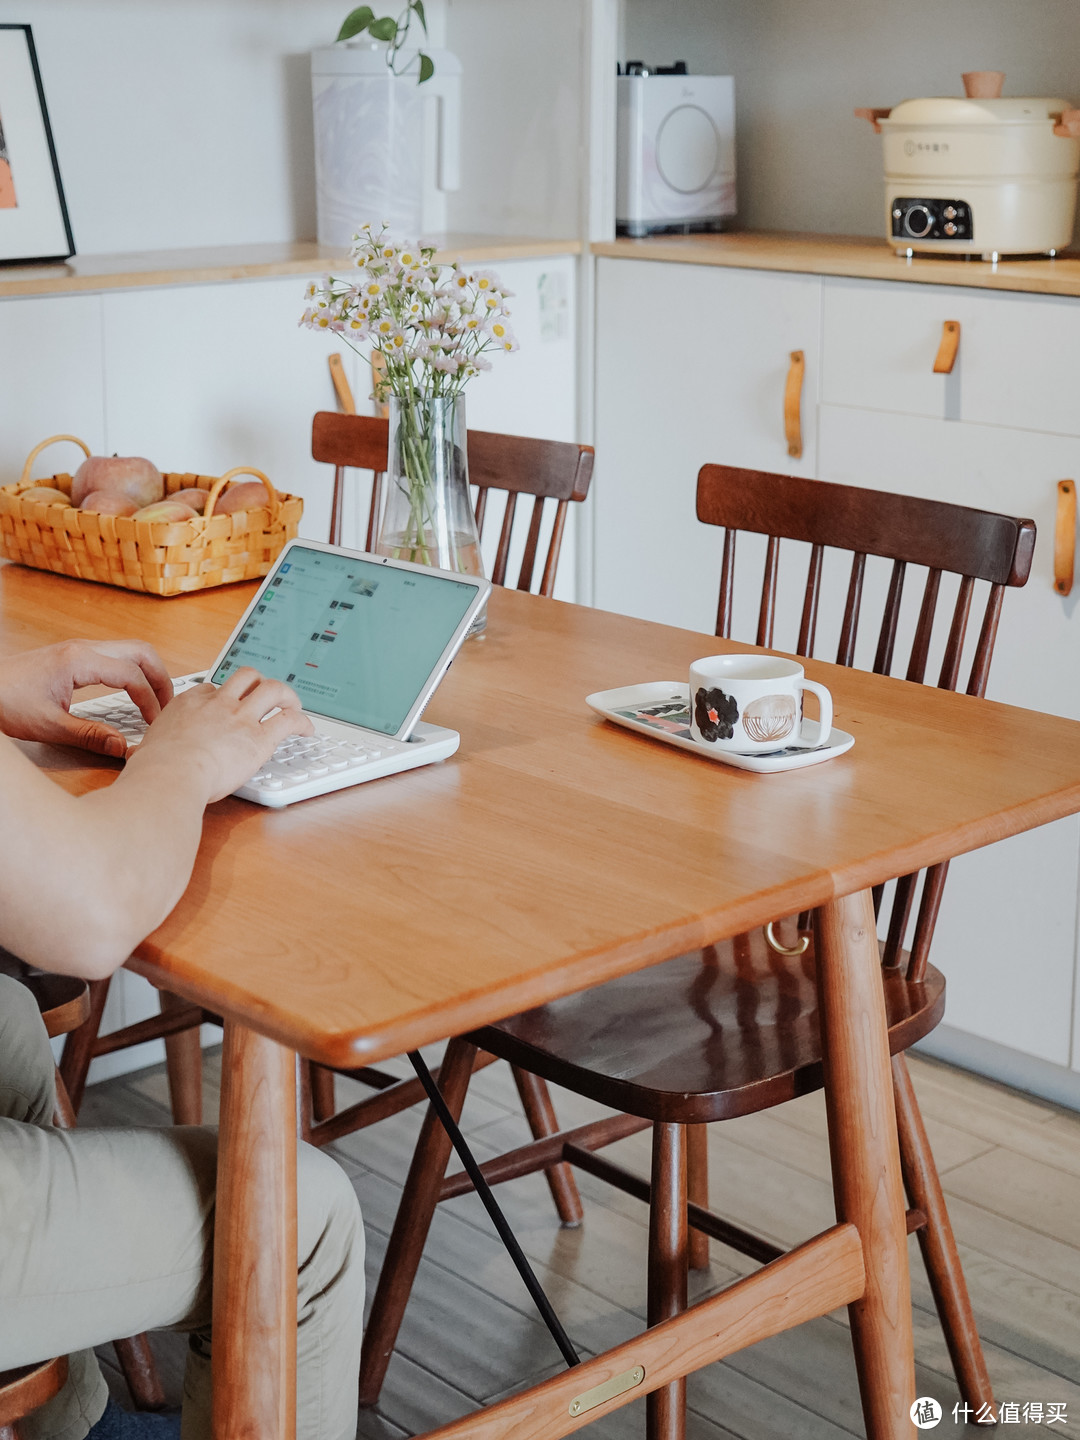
pixel 774 943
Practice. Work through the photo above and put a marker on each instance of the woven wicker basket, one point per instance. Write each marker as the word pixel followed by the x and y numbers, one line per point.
pixel 160 557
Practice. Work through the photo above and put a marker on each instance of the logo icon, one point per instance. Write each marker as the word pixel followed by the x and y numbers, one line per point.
pixel 925 1413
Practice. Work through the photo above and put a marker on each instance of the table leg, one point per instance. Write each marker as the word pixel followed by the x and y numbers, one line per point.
pixel 254 1350
pixel 866 1157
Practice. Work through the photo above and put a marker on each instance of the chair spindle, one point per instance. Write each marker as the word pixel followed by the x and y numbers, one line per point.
pixel 920 649
pixel 727 586
pixel 933 888
pixel 502 555
pixel 845 652
pixel 954 649
pixel 890 620
pixel 547 584
pixel 767 613
pixel 532 540
pixel 808 624
pixel 980 666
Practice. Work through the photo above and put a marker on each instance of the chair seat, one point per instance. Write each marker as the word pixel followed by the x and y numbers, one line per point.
pixel 716 1033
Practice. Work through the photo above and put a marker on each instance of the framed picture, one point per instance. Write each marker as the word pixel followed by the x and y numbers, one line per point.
pixel 33 217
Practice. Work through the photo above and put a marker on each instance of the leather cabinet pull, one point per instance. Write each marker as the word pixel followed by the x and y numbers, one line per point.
pixel 950 344
pixel 793 404
pixel 342 389
pixel 1065 537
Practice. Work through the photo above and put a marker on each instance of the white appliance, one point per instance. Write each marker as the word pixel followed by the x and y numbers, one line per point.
pixel 979 176
pixel 373 140
pixel 675 166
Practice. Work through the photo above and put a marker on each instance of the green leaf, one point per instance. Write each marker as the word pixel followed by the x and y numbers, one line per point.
pixel 384 29
pixel 418 6
pixel 427 68
pixel 356 20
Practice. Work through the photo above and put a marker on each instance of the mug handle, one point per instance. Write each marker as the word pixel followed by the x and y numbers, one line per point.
pixel 825 725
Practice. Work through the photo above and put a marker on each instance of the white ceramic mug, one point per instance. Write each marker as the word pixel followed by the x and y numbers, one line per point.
pixel 751 704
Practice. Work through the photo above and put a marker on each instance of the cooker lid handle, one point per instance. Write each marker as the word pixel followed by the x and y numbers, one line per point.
pixel 873 115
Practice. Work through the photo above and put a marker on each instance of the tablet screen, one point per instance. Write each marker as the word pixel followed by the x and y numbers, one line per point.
pixel 356 639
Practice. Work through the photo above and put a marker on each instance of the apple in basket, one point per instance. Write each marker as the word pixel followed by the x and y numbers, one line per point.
pixel 165 510
pixel 129 475
pixel 246 495
pixel 109 502
pixel 194 497
pixel 45 495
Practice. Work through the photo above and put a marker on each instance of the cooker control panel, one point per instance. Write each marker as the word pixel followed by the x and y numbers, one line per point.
pixel 914 219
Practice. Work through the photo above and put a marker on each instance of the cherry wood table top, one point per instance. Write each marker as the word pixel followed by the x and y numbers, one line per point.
pixel 555 850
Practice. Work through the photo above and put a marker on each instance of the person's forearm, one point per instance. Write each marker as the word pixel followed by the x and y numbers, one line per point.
pixel 120 858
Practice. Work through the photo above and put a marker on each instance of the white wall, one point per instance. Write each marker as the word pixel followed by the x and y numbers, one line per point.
pixel 182 122
pixel 801 66
pixel 524 137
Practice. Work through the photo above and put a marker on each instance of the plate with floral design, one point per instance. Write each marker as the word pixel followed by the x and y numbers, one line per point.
pixel 661 710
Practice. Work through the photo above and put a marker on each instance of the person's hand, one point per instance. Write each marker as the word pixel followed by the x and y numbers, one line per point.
pixel 229 733
pixel 36 689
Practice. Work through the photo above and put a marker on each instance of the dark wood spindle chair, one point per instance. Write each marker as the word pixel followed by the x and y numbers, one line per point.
pixel 64 1004
pixel 516 465
pixel 733 1029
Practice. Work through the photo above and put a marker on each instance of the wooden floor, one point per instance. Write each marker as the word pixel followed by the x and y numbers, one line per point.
pixel 1011 1170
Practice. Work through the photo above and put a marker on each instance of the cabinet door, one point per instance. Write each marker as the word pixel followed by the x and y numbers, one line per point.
pixel 1009 912
pixel 53 380
pixel 691 366
pixel 1020 360
pixel 880 341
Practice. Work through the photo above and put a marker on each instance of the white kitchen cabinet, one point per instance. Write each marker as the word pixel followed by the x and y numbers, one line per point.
pixel 691 365
pixel 1009 911
pixel 205 377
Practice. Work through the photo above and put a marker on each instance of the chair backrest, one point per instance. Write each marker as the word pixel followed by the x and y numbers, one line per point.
pixel 515 464
pixel 975 545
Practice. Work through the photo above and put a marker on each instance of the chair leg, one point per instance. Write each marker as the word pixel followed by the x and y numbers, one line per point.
pixel 665 1409
pixel 183 1061
pixel 938 1245
pixel 134 1353
pixel 418 1201
pixel 79 1044
pixel 140 1371
pixel 540 1113
pixel 697 1189
pixel 323 1102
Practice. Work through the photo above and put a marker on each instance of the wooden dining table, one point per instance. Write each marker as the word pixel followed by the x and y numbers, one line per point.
pixel 553 852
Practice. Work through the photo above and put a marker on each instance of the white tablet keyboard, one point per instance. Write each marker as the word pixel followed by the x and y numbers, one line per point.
pixel 302 766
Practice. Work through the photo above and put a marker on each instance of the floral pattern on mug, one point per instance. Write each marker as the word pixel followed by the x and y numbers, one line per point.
pixel 715 714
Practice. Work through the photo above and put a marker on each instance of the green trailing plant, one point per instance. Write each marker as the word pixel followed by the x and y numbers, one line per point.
pixel 394 33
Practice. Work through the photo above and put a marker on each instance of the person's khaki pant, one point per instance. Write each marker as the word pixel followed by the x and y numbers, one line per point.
pixel 106 1233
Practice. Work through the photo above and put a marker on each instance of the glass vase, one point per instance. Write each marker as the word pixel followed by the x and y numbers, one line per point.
pixel 428 516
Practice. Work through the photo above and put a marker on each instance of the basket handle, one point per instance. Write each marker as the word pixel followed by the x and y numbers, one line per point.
pixel 219 485
pixel 43 446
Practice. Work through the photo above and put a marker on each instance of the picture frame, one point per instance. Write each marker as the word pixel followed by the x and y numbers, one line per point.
pixel 34 224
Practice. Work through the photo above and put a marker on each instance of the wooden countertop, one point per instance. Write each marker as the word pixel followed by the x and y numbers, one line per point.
pixel 857 256
pixel 213 264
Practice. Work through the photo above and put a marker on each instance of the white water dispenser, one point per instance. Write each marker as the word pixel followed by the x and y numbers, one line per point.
pixel 373 138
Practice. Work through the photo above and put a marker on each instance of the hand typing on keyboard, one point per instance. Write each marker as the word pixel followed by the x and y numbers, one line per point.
pixel 36 690
pixel 231 731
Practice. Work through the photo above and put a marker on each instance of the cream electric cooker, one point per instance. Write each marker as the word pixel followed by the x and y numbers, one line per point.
pixel 982 175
